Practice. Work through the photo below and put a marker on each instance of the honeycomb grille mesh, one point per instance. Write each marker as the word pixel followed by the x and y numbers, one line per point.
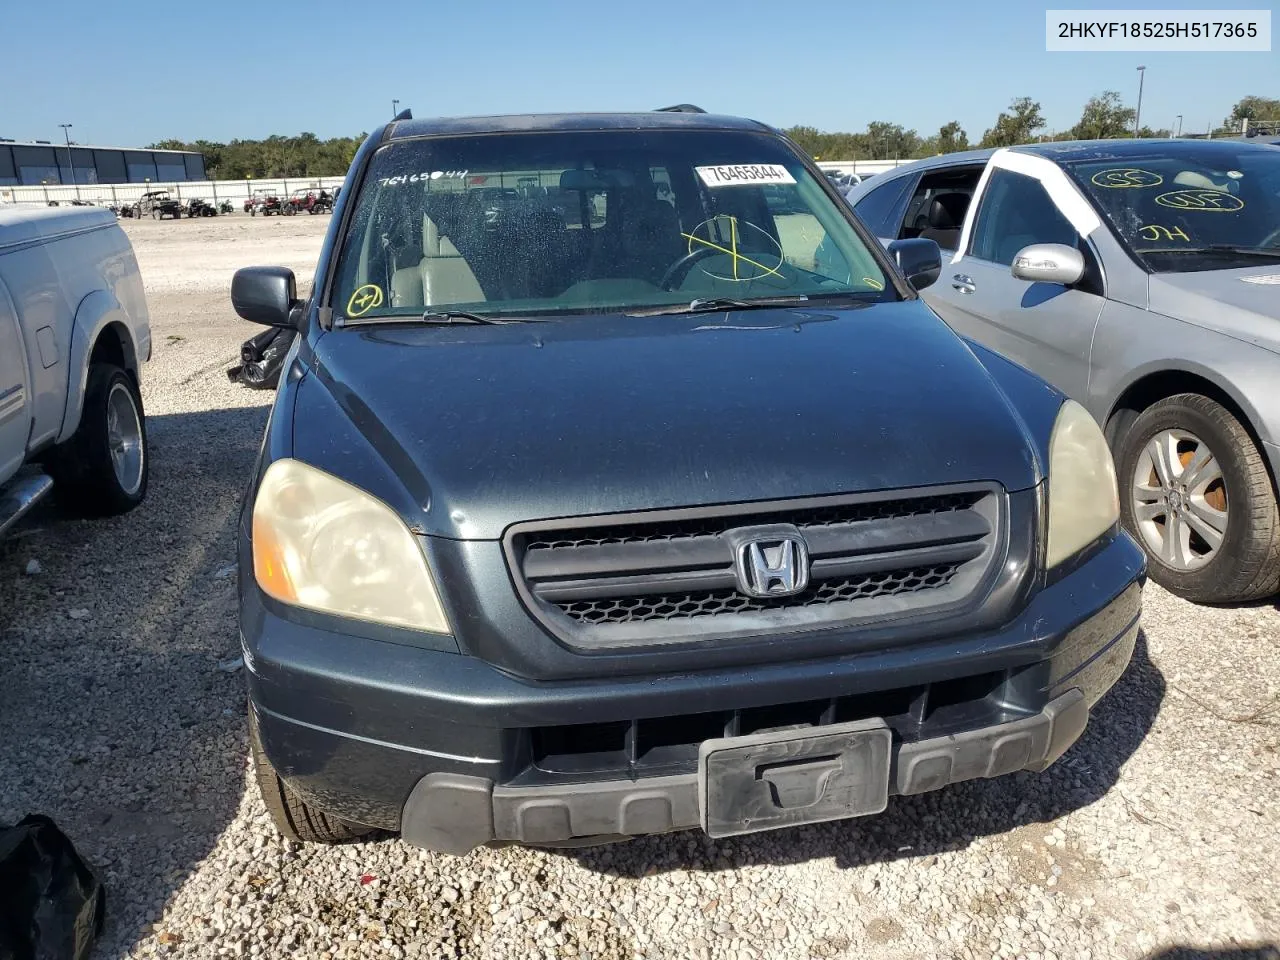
pixel 712 603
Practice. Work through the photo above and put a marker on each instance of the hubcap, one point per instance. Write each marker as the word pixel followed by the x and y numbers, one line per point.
pixel 124 438
pixel 1179 500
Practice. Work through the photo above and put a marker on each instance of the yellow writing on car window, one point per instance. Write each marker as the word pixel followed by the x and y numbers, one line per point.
pixel 1155 231
pixel 364 299
pixel 733 252
pixel 872 283
pixel 1123 177
pixel 1205 201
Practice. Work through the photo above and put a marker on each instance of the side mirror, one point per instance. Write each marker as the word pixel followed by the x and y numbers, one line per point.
pixel 265 295
pixel 919 260
pixel 1048 263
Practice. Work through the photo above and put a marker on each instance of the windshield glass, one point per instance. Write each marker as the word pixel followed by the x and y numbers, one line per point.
pixel 1186 206
pixel 563 223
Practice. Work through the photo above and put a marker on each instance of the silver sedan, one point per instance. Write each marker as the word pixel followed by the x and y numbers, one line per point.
pixel 1141 277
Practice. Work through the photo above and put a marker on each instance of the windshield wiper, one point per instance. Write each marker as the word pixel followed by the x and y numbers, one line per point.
pixel 436 316
pixel 1224 249
pixel 461 316
pixel 711 304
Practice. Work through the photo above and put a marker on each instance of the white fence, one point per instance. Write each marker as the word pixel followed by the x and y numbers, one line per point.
pixel 860 166
pixel 237 191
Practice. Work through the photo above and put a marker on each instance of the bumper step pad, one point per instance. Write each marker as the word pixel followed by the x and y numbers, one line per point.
pixel 452 813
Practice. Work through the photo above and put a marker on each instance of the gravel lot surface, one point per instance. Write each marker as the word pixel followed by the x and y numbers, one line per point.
pixel 1156 836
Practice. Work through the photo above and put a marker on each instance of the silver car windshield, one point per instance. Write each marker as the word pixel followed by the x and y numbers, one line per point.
pixel 1193 206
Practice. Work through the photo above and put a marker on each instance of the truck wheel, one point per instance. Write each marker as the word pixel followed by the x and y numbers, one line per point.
pixel 293 816
pixel 102 469
pixel 1195 492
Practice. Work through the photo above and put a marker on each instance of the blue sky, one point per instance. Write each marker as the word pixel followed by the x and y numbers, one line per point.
pixel 158 70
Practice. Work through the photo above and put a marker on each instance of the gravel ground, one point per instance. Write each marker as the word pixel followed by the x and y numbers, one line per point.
pixel 1156 836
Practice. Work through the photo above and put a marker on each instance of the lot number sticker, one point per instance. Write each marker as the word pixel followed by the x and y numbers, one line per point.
pixel 744 174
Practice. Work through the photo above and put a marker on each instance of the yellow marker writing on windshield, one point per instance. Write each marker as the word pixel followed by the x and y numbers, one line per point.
pixel 1202 201
pixel 364 299
pixel 1126 177
pixel 733 252
pixel 1155 231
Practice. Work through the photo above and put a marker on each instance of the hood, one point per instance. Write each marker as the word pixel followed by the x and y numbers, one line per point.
pixel 1244 303
pixel 484 426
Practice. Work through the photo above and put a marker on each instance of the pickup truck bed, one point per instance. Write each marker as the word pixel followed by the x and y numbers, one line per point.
pixel 74 331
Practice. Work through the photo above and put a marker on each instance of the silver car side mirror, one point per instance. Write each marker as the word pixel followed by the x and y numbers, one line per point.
pixel 1048 263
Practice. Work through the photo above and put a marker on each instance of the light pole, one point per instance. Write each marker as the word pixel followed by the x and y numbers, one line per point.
pixel 1137 114
pixel 1179 133
pixel 66 134
pixel 395 108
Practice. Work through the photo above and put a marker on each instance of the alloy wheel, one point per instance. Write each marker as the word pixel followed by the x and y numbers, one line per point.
pixel 1179 500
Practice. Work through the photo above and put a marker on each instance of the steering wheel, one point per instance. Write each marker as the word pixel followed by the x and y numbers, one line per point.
pixel 1272 239
pixel 680 268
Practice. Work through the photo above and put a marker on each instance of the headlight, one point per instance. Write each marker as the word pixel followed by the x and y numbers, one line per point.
pixel 1083 500
pixel 325 545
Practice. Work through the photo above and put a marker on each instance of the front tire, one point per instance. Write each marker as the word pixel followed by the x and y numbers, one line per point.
pixel 103 469
pixel 1195 492
pixel 293 816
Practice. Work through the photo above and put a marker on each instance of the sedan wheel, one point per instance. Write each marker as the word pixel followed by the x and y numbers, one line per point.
pixel 1180 499
pixel 1196 493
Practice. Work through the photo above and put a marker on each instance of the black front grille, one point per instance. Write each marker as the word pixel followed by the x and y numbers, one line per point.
pixel 671 575
pixel 825 516
pixel 712 603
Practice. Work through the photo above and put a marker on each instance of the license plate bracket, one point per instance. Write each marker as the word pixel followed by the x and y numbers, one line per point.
pixel 787 777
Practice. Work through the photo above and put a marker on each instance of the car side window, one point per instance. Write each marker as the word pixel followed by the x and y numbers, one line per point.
pixel 939 205
pixel 1016 212
pixel 879 209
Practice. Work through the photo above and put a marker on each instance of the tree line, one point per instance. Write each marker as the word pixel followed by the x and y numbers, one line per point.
pixel 1105 116
pixel 305 155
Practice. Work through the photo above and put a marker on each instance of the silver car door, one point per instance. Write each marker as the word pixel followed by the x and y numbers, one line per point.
pixel 1046 327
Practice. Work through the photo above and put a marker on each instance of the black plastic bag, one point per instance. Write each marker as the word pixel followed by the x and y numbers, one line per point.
pixel 262 359
pixel 52 906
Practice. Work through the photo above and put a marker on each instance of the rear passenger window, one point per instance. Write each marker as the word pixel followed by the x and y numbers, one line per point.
pixel 1016 212
pixel 879 208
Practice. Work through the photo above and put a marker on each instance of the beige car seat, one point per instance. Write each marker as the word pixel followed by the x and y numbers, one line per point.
pixel 1189 178
pixel 441 277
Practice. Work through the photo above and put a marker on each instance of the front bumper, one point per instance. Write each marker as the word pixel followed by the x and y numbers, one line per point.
pixel 454 814
pixel 445 748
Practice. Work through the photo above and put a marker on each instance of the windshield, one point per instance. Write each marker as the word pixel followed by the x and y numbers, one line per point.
pixel 1196 206
pixel 571 223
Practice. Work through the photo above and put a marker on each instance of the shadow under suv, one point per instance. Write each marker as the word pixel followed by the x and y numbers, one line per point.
pixel 599 507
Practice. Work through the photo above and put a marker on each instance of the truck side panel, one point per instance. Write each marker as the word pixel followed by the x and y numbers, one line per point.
pixel 44 318
pixel 15 417
pixel 49 282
